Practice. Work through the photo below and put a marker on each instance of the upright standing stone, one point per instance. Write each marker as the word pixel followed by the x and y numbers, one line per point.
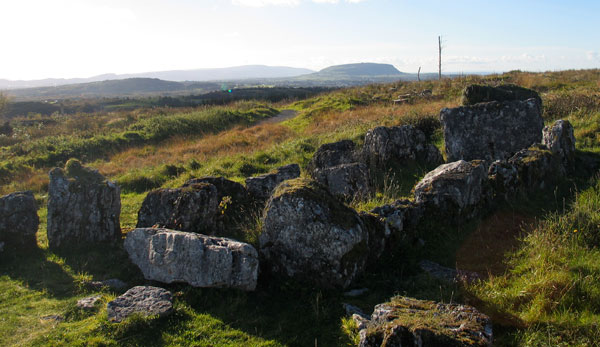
pixel 560 140
pixel 18 219
pixel 82 206
pixel 491 131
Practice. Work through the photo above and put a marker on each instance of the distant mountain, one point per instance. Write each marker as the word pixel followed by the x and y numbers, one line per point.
pixel 361 70
pixel 217 74
pixel 114 88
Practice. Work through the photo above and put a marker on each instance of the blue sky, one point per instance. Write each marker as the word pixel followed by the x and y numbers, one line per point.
pixel 81 38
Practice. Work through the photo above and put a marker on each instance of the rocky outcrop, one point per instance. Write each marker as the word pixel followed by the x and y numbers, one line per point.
pixel 454 189
pixel 143 300
pixel 400 144
pixel 475 94
pixel 491 131
pixel 18 219
pixel 193 208
pixel 560 140
pixel 410 322
pixel 82 206
pixel 309 235
pixel 261 187
pixel 336 167
pixel 202 261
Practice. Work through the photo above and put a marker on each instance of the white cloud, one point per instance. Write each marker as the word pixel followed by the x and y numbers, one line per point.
pixel 263 3
pixel 593 56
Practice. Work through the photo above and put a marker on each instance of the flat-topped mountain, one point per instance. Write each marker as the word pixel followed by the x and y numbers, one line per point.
pixel 361 69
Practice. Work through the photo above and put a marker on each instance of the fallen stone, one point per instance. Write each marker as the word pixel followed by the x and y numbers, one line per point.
pixel 192 208
pixel 454 189
pixel 83 207
pixel 504 179
pixel 309 235
pixel 112 283
pixel 334 154
pixel 475 94
pixel 400 215
pixel 147 301
pixel 352 310
pixel 346 181
pixel 491 131
pixel 202 261
pixel 537 167
pixel 262 186
pixel 88 303
pixel 447 274
pixel 18 220
pixel 560 140
pixel 400 144
pixel 410 322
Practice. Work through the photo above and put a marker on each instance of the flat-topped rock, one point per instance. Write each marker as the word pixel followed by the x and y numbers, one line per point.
pixel 18 220
pixel 476 93
pixel 261 187
pixel 83 207
pixel 491 131
pixel 406 321
pixel 309 235
pixel 171 256
pixel 144 300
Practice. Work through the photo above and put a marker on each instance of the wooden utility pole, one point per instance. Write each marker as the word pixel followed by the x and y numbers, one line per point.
pixel 440 58
pixel 419 74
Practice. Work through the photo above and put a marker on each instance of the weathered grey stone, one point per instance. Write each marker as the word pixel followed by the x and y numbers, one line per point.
pixel 144 300
pixel 399 215
pixel 202 261
pixel 346 181
pixel 310 235
pixel 334 154
pixel 560 140
pixel 410 322
pixel 454 189
pixel 504 179
pixel 491 131
pixel 400 144
pixel 193 208
pixel 262 186
pixel 18 219
pixel 475 94
pixel 447 274
pixel 537 168
pixel 88 303
pixel 82 206
pixel 112 283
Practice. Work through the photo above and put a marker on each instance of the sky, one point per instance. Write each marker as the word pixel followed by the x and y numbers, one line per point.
pixel 83 38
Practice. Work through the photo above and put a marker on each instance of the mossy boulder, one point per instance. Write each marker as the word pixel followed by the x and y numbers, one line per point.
pixel 261 187
pixel 537 167
pixel 309 235
pixel 407 321
pixel 476 93
pixel 83 207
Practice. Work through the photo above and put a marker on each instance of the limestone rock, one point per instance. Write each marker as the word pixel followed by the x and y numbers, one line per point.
pixel 82 206
pixel 410 322
pixel 402 143
pixel 537 167
pixel 202 261
pixel 112 283
pixel 447 274
pixel 399 215
pixel 144 300
pixel 18 219
pixel 88 303
pixel 475 94
pixel 346 181
pixel 262 186
pixel 310 235
pixel 334 154
pixel 454 189
pixel 193 208
pixel 560 140
pixel 491 131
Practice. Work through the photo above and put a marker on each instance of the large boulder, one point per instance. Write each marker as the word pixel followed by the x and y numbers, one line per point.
pixel 400 144
pixel 82 206
pixel 309 235
pixel 18 219
pixel 454 189
pixel 560 140
pixel 491 131
pixel 406 321
pixel 261 187
pixel 334 154
pixel 143 300
pixel 193 208
pixel 476 93
pixel 202 261
pixel 346 181
pixel 537 168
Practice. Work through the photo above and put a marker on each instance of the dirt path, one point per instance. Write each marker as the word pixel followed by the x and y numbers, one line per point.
pixel 282 116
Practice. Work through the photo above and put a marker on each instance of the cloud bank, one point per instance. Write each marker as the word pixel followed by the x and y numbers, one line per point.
pixel 263 3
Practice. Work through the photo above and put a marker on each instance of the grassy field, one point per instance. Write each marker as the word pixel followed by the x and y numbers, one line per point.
pixel 539 255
